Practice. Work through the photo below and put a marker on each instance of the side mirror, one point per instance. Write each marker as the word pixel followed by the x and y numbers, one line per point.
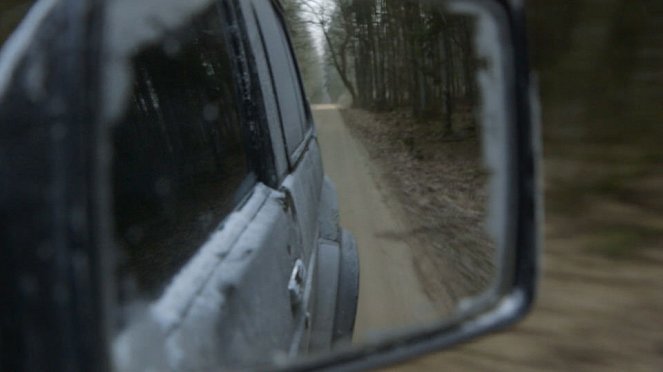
pixel 163 199
pixel 402 75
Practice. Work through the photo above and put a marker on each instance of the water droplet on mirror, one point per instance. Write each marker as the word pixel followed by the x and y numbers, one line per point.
pixel 134 234
pixel 28 284
pixel 77 218
pixel 205 218
pixel 35 79
pixel 58 131
pixel 60 294
pixel 80 263
pixel 45 251
pixel 162 187
pixel 211 112
pixel 171 47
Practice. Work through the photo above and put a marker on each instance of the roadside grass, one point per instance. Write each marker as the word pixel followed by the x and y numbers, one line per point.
pixel 440 186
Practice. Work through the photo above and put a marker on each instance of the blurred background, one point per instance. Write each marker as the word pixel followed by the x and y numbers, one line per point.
pixel 600 305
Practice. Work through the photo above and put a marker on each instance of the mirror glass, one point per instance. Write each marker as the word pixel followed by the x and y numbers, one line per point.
pixel 406 97
pixel 228 246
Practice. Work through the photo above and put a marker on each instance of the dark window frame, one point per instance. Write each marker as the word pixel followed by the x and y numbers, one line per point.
pixel 278 8
pixel 294 152
pixel 253 114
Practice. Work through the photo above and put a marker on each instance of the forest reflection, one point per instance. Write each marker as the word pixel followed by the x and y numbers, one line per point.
pixel 405 77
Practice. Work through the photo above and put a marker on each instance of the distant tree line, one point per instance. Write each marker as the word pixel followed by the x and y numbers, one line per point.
pixel 309 61
pixel 392 54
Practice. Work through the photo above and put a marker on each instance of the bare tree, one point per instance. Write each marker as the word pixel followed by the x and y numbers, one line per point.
pixel 393 54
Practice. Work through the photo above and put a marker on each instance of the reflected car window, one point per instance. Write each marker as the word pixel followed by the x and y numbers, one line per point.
pixel 286 83
pixel 180 155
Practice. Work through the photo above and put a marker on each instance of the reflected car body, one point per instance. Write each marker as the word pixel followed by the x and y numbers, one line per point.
pixel 274 274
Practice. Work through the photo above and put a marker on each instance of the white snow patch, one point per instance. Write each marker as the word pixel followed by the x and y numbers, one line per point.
pixel 129 26
pixel 144 344
pixel 172 306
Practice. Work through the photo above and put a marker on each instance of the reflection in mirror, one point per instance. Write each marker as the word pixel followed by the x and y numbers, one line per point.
pixel 180 161
pixel 227 239
pixel 395 90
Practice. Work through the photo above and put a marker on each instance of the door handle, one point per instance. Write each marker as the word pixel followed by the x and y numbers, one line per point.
pixel 296 284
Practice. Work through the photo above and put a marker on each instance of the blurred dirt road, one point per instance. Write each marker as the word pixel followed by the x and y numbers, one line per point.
pixel 594 312
pixel 390 293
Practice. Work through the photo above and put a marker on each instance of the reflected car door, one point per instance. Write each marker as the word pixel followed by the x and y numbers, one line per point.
pixel 222 257
pixel 303 184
